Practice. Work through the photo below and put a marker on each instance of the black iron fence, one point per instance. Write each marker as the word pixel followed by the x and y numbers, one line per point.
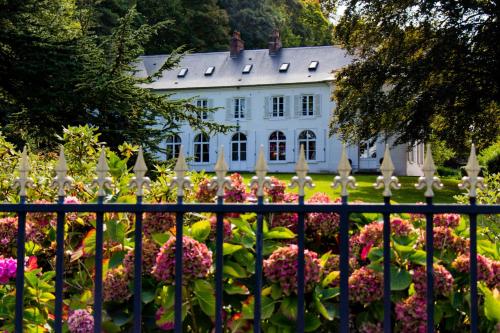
pixel 343 209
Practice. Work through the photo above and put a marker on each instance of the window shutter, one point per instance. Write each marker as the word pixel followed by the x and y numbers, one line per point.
pixel 317 105
pixel 229 113
pixel 248 108
pixel 287 107
pixel 267 107
pixel 298 111
pixel 210 104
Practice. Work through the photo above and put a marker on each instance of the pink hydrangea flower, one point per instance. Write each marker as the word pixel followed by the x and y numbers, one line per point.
pixel 238 191
pixel 196 258
pixel 443 280
pixel 115 285
pixel 81 321
pixel 287 220
pixel 495 266
pixel 163 325
pixel 401 228
pixel 227 230
pixel 149 251
pixel 160 222
pixel 8 235
pixel 367 327
pixel 484 267
pixel 411 314
pixel 322 224
pixel 277 191
pixel 372 234
pixel 365 286
pixel 281 268
pixel 446 220
pixel 7 269
pixel 443 238
pixel 204 192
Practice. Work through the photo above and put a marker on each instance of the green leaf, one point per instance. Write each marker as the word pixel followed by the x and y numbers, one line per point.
pixel 328 293
pixel 200 230
pixel 332 276
pixel 278 319
pixel 279 233
pixel 289 307
pixel 147 296
pixel 205 295
pixel 161 238
pixel 376 254
pixel 276 291
pixel 403 250
pixel 115 231
pixel 116 259
pixel 167 296
pixel 400 278
pixel 267 308
pixel 327 310
pixel 311 322
pixel 419 257
pixel 243 225
pixel 233 269
pixel 230 248
pixel 491 303
pixel 236 288
pixel 88 243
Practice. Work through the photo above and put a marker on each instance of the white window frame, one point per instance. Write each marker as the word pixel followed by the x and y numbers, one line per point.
pixel 369 150
pixel 307 105
pixel 279 111
pixel 239 108
pixel 241 141
pixel 274 153
pixel 202 103
pixel 308 142
pixel 199 140
pixel 172 146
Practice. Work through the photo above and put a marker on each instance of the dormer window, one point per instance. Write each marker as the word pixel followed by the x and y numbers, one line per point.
pixel 313 65
pixel 247 69
pixel 182 72
pixel 210 70
pixel 284 66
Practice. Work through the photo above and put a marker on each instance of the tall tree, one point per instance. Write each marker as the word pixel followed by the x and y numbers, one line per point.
pixel 422 69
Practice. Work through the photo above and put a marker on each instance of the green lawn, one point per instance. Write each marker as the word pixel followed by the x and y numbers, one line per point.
pixel 366 192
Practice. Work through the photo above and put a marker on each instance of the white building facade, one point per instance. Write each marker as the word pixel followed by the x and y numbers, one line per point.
pixel 279 98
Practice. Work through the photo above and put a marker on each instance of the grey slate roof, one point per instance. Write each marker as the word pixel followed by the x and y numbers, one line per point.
pixel 265 70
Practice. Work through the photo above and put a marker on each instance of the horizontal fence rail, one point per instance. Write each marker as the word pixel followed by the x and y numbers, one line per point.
pixel 220 182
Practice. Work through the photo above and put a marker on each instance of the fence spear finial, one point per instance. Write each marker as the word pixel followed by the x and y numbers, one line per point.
pixel 301 168
pixel 61 179
pixel 102 181
pixel 140 180
pixel 343 179
pixel 428 180
pixel 23 181
pixel 387 180
pixel 261 180
pixel 180 179
pixel 220 181
pixel 472 181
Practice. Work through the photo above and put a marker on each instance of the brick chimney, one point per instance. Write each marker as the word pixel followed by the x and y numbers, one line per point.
pixel 274 42
pixel 236 45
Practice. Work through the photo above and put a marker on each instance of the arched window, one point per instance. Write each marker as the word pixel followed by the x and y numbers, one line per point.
pixel 239 147
pixel 307 139
pixel 173 145
pixel 201 148
pixel 277 146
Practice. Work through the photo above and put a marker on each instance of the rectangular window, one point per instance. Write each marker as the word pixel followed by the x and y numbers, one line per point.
pixel 239 108
pixel 313 65
pixel 247 69
pixel 284 66
pixel 308 105
pixel 367 150
pixel 210 70
pixel 182 72
pixel 203 104
pixel 278 107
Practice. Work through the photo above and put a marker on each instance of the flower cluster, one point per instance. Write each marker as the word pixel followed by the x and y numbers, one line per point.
pixel 71 216
pixel 401 228
pixel 484 267
pixel 163 325
pixel 368 327
pixel 238 191
pixel 443 238
pixel 8 234
pixel 411 314
pixel 196 258
pixel 281 268
pixel 7 269
pixel 443 280
pixel 227 230
pixel 277 191
pixel 158 223
pixel 287 220
pixel 149 251
pixel 204 192
pixel 446 220
pixel 324 224
pixel 333 264
pixel 372 234
pixel 81 321
pixel 115 285
pixel 41 219
pixel 365 285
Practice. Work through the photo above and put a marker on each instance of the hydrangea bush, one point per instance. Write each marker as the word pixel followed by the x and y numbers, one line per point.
pixel 279 294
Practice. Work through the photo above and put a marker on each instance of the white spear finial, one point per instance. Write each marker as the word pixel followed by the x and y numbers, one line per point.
pixel 23 181
pixel 61 179
pixel 260 180
pixel 343 179
pixel 387 180
pixel 220 181
pixel 140 180
pixel 472 181
pixel 301 168
pixel 428 180
pixel 102 181
pixel 180 179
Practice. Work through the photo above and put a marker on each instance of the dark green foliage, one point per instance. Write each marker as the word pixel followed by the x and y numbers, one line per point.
pixel 423 68
pixel 489 158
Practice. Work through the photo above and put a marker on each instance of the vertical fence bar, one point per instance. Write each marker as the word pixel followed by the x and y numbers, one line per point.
pixel 429 248
pixel 219 266
pixel 258 269
pixel 138 268
pixel 99 226
pixel 178 267
pixel 473 270
pixel 21 235
pixel 344 267
pixel 59 267
pixel 387 268
pixel 300 270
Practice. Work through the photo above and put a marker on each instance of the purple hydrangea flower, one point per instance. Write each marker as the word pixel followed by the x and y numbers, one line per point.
pixel 81 321
pixel 7 269
pixel 365 285
pixel 443 280
pixel 411 314
pixel 115 285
